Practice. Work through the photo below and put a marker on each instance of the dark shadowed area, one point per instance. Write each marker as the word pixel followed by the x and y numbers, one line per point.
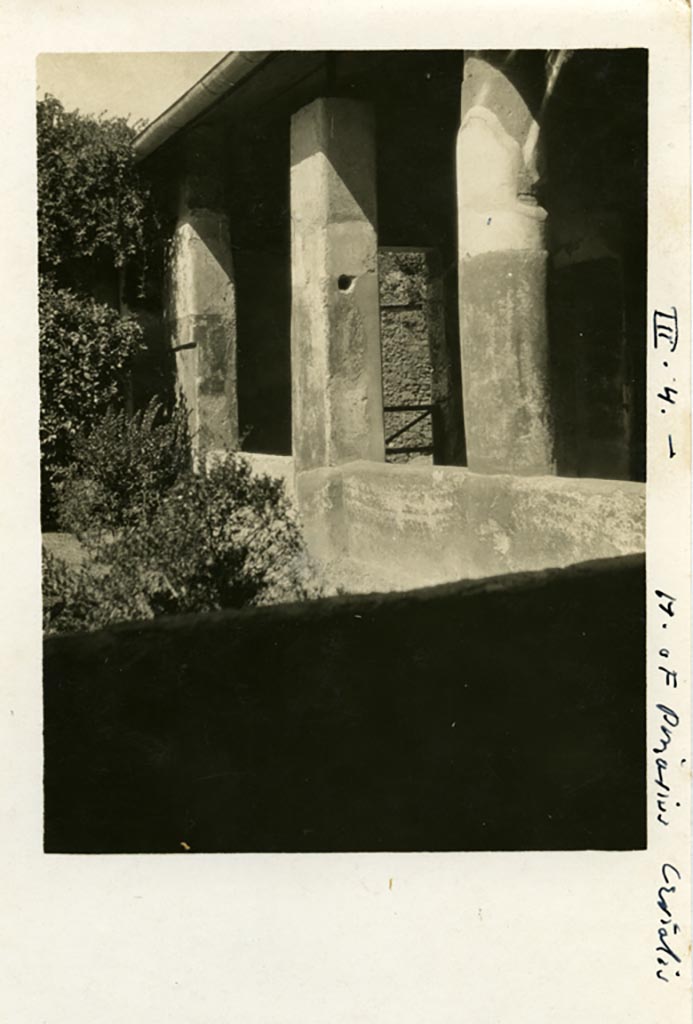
pixel 501 714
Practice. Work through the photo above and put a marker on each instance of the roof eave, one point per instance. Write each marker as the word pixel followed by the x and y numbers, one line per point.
pixel 226 75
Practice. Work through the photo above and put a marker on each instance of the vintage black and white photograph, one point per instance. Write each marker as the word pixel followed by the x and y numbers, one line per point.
pixel 343 449
pixel 346 512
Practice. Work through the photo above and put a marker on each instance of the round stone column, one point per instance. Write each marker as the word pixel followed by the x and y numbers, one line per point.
pixel 502 278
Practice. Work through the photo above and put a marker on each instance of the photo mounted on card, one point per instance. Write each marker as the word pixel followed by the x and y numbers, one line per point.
pixel 343 450
pixel 346 661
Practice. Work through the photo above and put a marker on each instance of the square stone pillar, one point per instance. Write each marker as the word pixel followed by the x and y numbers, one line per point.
pixel 202 304
pixel 337 410
pixel 502 277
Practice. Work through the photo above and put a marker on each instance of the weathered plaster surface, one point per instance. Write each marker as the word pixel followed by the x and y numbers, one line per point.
pixel 202 316
pixel 393 527
pixel 335 335
pixel 279 466
pixel 502 280
pixel 505 369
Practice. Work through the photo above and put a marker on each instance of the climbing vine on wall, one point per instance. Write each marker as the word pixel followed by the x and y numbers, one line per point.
pixel 95 216
pixel 92 203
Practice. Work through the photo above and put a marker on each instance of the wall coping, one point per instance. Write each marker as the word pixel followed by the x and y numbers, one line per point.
pixel 363 467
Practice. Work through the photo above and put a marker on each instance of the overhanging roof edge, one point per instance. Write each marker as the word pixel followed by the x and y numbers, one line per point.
pixel 226 74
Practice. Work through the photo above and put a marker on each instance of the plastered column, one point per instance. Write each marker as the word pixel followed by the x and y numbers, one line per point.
pixel 202 304
pixel 337 413
pixel 502 279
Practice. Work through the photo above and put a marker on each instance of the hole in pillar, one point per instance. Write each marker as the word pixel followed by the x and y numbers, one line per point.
pixel 344 282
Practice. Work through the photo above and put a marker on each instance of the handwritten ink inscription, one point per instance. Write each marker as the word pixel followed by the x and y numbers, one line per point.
pixel 668 930
pixel 666 762
pixel 666 728
pixel 667 720
pixel 665 327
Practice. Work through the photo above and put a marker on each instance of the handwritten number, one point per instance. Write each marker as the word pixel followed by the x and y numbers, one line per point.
pixel 666 328
pixel 668 608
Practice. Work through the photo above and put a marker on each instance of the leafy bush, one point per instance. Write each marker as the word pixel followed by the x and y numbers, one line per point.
pixel 222 538
pixel 121 468
pixel 84 348
pixel 91 200
pixel 162 539
pixel 73 596
pixel 96 217
pixel 158 538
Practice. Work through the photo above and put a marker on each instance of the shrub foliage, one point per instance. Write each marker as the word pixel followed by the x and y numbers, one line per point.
pixel 158 538
pixel 120 469
pixel 84 348
pixel 162 539
pixel 95 214
pixel 91 201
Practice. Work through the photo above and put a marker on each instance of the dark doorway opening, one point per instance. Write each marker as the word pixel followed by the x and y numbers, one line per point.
pixel 258 159
pixel 595 189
